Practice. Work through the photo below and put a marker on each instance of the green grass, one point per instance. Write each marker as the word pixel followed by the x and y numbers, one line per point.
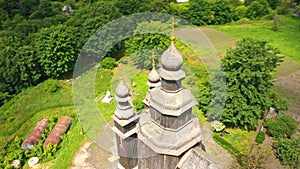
pixel 287 39
pixel 69 146
pixel 17 113
pixel 240 139
pixel 20 115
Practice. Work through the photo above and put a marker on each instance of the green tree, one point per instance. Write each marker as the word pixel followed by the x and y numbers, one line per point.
pixel 248 69
pixel 57 49
pixel 274 3
pixel 128 7
pixel 144 39
pixel 200 12
pixel 27 7
pixel 257 9
pixel 223 12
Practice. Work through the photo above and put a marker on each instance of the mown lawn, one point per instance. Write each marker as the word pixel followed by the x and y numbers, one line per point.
pixel 287 38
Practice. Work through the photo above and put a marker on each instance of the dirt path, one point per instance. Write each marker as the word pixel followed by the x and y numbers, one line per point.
pixel 288 84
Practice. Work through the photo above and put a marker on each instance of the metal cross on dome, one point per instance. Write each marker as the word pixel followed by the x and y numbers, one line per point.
pixel 153 61
pixel 173 30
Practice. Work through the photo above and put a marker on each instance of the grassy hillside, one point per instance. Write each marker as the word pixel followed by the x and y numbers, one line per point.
pixel 287 38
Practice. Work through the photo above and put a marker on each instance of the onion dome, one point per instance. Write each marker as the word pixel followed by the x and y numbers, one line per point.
pixel 122 92
pixel 153 78
pixel 171 59
pixel 124 109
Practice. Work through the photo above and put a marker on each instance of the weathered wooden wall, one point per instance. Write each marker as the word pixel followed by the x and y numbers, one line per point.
pixel 172 122
pixel 148 159
pixel 127 151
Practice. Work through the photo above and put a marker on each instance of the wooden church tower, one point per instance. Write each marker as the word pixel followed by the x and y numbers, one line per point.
pixel 160 135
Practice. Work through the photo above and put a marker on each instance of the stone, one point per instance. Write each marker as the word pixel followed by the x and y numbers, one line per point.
pixel 33 161
pixel 107 98
pixel 15 163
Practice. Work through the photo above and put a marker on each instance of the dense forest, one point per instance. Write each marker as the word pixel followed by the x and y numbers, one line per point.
pixel 40 41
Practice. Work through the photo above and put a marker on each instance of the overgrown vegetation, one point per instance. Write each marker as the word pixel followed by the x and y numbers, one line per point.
pixel 249 81
pixel 288 151
pixel 283 126
pixel 38 41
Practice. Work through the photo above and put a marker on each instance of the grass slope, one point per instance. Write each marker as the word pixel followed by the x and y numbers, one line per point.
pixel 287 38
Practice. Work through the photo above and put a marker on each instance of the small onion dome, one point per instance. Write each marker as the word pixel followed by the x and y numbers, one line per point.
pixel 122 92
pixel 153 78
pixel 171 59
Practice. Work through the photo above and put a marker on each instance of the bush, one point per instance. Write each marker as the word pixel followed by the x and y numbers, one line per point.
pixel 257 10
pixel 108 63
pixel 241 11
pixel 284 126
pixel 288 151
pixel 243 21
pixel 260 137
pixel 51 86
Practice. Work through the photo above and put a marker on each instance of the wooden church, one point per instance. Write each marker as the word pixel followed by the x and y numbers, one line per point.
pixel 165 135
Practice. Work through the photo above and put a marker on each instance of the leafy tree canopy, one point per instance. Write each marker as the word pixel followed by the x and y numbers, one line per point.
pixel 57 49
pixel 148 35
pixel 248 69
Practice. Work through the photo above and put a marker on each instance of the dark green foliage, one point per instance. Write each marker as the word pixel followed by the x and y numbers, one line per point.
pixel 248 70
pixel 51 86
pixel 260 137
pixel 27 7
pixel 279 102
pixel 288 151
pixel 108 63
pixel 241 11
pixel 57 49
pixel 204 12
pixel 218 95
pixel 274 3
pixel 283 126
pixel 141 46
pixel 257 9
pixel 200 13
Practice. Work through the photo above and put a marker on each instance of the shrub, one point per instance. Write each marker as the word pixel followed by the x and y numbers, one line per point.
pixel 108 63
pixel 241 11
pixel 284 126
pixel 243 21
pixel 288 151
pixel 51 86
pixel 260 137
pixel 257 10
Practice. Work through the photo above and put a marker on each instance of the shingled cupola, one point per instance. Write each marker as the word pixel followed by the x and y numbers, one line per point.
pixel 125 121
pixel 153 77
pixel 172 129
